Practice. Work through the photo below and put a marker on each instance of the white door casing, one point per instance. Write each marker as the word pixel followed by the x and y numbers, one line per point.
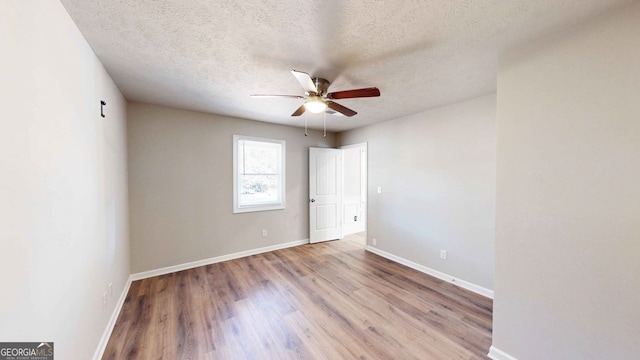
pixel 325 194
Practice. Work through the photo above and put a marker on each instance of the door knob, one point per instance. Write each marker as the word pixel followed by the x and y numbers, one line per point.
pixel 312 200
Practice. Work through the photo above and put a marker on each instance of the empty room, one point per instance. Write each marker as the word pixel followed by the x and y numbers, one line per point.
pixel 340 179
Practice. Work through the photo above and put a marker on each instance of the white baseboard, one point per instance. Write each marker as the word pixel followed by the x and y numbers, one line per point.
pixel 497 354
pixel 213 260
pixel 435 273
pixel 102 345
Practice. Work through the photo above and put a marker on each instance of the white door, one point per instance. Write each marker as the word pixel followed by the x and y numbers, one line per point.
pixel 325 194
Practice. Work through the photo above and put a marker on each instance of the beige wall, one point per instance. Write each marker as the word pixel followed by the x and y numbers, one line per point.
pixel 437 173
pixel 180 168
pixel 568 194
pixel 63 186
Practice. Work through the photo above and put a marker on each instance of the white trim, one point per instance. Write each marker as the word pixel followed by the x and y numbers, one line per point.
pixel 497 354
pixel 102 345
pixel 213 260
pixel 435 273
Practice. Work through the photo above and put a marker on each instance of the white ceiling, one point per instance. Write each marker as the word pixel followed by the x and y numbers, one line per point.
pixel 210 55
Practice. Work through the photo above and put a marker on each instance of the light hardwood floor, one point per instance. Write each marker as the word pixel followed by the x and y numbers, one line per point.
pixel 330 300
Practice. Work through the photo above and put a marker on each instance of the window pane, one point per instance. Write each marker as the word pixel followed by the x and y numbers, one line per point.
pixel 259 189
pixel 261 158
pixel 259 174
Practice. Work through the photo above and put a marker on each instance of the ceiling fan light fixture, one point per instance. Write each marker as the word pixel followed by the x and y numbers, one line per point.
pixel 315 105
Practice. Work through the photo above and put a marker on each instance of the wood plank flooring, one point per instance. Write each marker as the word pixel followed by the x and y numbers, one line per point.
pixel 323 301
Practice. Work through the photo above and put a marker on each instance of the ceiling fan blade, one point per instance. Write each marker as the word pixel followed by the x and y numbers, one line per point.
pixel 299 111
pixel 356 93
pixel 285 96
pixel 305 80
pixel 341 109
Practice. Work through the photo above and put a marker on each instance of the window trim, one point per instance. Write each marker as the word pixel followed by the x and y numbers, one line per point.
pixel 237 209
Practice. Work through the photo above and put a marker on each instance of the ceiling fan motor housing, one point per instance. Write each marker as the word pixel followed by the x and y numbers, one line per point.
pixel 322 85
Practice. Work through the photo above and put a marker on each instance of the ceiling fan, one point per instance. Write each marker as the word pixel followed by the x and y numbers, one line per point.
pixel 317 99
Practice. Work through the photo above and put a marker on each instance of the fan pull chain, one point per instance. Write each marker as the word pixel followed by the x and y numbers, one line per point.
pixel 324 121
pixel 305 125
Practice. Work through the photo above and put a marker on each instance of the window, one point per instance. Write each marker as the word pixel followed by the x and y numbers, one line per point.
pixel 258 174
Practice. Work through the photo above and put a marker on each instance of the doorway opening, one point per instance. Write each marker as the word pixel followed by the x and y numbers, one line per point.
pixel 338 193
pixel 354 200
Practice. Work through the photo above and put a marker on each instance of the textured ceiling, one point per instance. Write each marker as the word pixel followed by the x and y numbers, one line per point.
pixel 210 56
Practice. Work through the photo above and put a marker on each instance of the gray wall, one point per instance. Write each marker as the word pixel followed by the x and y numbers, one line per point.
pixel 63 183
pixel 568 198
pixel 180 183
pixel 437 173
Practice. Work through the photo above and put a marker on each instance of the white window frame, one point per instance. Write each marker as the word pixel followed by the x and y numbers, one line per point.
pixel 237 207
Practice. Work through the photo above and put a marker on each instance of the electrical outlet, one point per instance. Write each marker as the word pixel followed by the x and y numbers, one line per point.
pixel 110 290
pixel 265 233
pixel 443 254
pixel 373 241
